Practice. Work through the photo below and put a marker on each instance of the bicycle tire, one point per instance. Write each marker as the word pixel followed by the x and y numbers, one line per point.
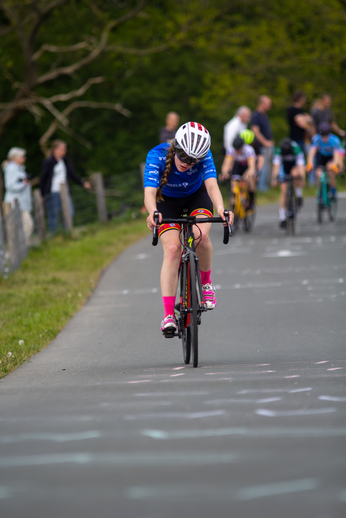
pixel 185 331
pixel 193 320
pixel 319 205
pixel 235 225
pixel 249 221
pixel 332 210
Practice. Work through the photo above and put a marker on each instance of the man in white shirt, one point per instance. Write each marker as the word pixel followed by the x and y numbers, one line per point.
pixel 236 125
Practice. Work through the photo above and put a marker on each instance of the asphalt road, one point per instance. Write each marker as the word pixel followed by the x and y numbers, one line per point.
pixel 108 422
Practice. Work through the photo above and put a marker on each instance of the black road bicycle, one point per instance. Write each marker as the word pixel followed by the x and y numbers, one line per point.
pixel 191 305
pixel 290 206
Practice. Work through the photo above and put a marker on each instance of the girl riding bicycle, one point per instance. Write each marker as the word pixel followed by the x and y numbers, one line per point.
pixel 288 162
pixel 326 151
pixel 181 175
pixel 240 161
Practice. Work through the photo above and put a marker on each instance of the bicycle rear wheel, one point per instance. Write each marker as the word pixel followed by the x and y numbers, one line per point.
pixel 193 318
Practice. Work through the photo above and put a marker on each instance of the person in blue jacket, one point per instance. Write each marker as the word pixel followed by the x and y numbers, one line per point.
pixel 181 175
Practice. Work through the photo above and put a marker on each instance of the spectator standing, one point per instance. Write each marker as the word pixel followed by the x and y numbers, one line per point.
pixel 235 126
pixel 261 127
pixel 322 112
pixel 168 131
pixel 17 186
pixel 57 169
pixel 298 121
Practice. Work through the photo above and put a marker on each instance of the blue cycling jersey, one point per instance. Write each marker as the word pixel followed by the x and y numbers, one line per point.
pixel 179 184
pixel 326 148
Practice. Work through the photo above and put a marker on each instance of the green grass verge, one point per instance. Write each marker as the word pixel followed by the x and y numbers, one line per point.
pixel 38 300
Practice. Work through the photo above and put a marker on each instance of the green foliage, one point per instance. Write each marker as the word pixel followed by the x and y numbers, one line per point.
pixel 217 55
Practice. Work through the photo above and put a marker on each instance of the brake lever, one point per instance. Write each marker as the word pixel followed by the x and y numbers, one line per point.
pixel 227 228
pixel 155 230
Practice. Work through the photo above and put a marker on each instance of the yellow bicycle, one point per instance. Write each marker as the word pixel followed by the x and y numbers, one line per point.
pixel 239 203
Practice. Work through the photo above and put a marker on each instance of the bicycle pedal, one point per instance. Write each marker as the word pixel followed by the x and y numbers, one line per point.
pixel 169 333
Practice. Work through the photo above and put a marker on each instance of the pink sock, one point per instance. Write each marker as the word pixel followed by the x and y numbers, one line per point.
pixel 168 304
pixel 205 277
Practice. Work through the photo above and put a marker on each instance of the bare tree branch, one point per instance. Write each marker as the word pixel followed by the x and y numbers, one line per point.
pixel 78 104
pixel 53 48
pixel 76 66
pixel 139 52
pixel 54 111
pixel 76 93
pixel 91 104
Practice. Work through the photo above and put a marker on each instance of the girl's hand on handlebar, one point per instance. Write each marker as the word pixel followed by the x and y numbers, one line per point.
pixel 151 222
pixel 230 216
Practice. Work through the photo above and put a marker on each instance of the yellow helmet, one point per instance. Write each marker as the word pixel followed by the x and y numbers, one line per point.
pixel 248 136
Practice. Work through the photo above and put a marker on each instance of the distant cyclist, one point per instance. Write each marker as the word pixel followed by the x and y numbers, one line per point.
pixel 240 161
pixel 181 175
pixel 328 151
pixel 249 138
pixel 288 161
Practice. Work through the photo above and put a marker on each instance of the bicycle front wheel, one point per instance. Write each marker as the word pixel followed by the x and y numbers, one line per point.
pixel 184 304
pixel 192 315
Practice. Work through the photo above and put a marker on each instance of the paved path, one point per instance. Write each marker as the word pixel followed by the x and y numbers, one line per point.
pixel 108 422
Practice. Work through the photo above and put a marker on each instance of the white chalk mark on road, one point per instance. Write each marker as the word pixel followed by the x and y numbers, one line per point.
pixel 179 415
pixel 55 437
pixel 283 413
pixel 246 432
pixel 277 488
pixel 127 459
pixel 221 401
pixel 332 398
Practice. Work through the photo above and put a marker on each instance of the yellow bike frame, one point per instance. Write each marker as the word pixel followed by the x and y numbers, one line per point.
pixel 241 197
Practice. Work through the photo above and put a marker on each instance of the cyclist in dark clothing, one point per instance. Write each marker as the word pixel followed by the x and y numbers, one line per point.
pixel 299 121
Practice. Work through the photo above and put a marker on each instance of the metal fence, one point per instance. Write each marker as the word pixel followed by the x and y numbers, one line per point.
pixel 110 197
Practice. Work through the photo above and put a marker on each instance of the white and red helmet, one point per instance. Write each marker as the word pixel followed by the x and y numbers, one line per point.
pixel 193 139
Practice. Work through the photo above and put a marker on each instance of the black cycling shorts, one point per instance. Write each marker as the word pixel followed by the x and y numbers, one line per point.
pixel 322 160
pixel 238 169
pixel 196 203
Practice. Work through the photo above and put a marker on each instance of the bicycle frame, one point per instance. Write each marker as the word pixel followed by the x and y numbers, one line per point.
pixel 191 304
pixel 323 198
pixel 241 197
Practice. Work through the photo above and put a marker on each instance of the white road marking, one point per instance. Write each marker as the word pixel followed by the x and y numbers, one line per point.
pixel 283 413
pixel 221 401
pixel 55 437
pixel 277 488
pixel 247 432
pixel 177 394
pixel 284 253
pixel 172 492
pixel 128 459
pixel 179 415
pixel 332 398
pixel 289 391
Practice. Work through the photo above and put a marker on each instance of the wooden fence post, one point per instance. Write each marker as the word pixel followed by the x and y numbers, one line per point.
pixel 39 215
pixel 6 208
pixel 142 169
pixel 3 265
pixel 12 239
pixel 66 208
pixel 21 244
pixel 100 196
